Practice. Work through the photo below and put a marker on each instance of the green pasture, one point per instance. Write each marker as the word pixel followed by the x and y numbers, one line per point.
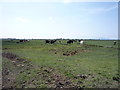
pixel 90 59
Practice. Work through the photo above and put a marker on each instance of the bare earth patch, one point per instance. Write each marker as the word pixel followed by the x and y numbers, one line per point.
pixel 71 53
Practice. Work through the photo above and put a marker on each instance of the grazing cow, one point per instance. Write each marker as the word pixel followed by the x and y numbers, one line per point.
pixel 81 42
pixel 70 41
pixel 47 41
pixel 52 41
pixel 114 43
pixel 23 40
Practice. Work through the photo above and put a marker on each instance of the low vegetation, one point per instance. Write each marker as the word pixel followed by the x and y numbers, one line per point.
pixel 36 64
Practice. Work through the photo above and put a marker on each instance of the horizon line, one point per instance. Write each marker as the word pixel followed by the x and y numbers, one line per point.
pixel 68 38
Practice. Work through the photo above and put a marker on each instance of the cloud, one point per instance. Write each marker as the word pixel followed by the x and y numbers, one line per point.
pixel 21 19
pixel 98 9
pixel 66 1
pixel 50 18
pixel 112 8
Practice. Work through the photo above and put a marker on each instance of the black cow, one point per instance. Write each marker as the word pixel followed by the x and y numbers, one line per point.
pixel 79 40
pixel 52 41
pixel 23 40
pixel 114 43
pixel 70 41
pixel 47 41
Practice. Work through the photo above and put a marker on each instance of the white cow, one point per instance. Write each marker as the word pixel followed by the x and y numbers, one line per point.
pixel 81 42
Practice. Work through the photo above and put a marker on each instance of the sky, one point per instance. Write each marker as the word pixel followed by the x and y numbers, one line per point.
pixel 51 20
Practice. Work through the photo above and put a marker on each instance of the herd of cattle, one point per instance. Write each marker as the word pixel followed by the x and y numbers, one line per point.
pixel 53 41
pixel 81 42
pixel 22 41
pixel 50 41
pixel 68 42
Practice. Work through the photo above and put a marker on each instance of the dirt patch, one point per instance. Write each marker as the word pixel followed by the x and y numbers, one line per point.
pixel 56 80
pixel 12 68
pixel 81 76
pixel 9 55
pixel 71 53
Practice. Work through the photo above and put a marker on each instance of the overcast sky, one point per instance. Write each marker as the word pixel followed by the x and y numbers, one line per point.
pixel 45 20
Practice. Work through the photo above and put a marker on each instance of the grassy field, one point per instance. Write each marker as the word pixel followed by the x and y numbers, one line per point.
pixel 92 65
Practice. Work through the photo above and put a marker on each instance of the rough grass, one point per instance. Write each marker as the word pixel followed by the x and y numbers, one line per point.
pixel 98 64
